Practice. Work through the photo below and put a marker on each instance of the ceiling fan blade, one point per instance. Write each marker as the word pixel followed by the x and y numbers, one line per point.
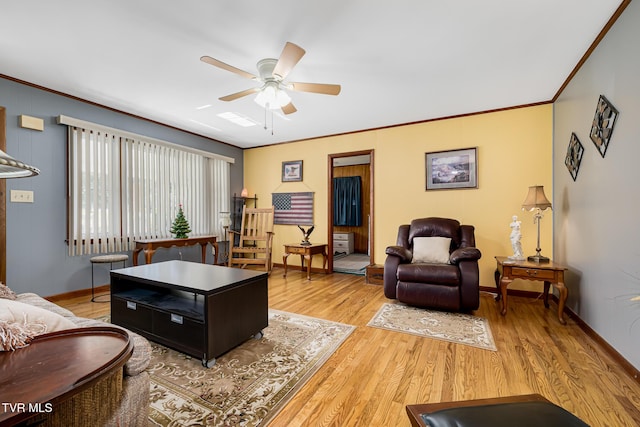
pixel 289 57
pixel 322 88
pixel 220 64
pixel 289 108
pixel 237 95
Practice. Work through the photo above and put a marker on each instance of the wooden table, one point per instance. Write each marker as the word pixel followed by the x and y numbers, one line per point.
pixel 56 366
pixel 550 273
pixel 306 252
pixel 150 246
pixel 198 309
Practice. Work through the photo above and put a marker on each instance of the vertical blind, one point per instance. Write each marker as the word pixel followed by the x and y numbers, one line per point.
pixel 123 189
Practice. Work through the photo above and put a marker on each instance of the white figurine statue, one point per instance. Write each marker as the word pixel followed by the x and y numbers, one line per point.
pixel 515 239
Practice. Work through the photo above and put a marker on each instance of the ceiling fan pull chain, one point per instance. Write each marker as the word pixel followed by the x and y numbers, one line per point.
pixel 266 106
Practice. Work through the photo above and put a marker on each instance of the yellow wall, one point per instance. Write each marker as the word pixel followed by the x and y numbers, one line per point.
pixel 514 152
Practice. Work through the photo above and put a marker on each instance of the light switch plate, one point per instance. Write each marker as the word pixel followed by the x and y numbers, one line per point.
pixel 21 196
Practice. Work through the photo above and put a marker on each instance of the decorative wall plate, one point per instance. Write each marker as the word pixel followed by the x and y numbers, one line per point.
pixel 602 126
pixel 574 155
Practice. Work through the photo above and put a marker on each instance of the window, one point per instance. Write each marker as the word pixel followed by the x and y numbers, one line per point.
pixel 124 187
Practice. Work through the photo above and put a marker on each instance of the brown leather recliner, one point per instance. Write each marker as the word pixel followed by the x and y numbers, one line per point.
pixel 452 286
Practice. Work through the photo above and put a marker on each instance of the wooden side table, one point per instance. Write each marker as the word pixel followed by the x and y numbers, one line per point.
pixel 374 274
pixel 550 273
pixel 306 252
pixel 56 366
pixel 149 246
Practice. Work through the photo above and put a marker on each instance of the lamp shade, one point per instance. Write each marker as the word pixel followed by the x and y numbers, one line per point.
pixel 225 219
pixel 12 168
pixel 536 199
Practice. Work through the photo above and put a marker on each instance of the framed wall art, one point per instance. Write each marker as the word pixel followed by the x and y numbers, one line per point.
pixel 452 169
pixel 574 155
pixel 293 208
pixel 602 126
pixel 292 171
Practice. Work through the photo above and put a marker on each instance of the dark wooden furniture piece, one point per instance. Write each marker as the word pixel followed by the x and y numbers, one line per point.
pixel 150 246
pixel 374 274
pixel 526 410
pixel 199 309
pixel 57 366
pixel 550 273
pixel 306 252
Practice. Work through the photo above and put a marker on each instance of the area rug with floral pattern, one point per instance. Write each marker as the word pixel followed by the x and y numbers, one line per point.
pixel 248 385
pixel 454 327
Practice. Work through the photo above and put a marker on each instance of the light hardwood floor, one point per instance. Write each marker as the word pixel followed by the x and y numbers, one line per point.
pixel 376 372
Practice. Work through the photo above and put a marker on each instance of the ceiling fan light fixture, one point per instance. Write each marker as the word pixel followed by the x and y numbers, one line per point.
pixel 272 73
pixel 282 98
pixel 12 168
pixel 272 97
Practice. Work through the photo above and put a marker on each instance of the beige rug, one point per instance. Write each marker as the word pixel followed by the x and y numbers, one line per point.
pixel 454 327
pixel 248 385
pixel 351 264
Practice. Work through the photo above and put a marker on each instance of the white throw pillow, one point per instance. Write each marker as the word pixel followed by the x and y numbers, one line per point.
pixel 18 312
pixel 433 250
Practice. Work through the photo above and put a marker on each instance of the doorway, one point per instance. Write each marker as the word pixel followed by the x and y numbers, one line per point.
pixel 349 164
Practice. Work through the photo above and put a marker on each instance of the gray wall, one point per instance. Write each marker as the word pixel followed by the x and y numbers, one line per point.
pixel 597 217
pixel 37 259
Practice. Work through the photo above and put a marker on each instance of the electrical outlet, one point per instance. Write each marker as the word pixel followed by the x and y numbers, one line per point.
pixel 21 196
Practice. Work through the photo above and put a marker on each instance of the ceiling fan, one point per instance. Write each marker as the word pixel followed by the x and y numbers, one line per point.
pixel 272 74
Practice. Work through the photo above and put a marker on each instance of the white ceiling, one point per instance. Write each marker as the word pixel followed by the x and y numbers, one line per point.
pixel 398 62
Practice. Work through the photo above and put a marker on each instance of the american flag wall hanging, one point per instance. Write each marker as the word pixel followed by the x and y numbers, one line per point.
pixel 293 208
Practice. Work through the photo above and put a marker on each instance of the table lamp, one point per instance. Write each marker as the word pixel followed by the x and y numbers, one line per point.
pixel 538 202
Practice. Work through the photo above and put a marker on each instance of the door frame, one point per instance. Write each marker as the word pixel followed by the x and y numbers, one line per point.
pixel 330 158
pixel 3 201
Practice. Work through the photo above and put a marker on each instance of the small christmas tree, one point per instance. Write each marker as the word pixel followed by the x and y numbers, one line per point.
pixel 180 226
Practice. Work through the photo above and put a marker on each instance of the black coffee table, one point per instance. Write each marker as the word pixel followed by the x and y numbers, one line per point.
pixel 198 309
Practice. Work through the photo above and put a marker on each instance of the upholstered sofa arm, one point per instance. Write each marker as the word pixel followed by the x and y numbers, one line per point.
pixel 464 254
pixel 404 254
pixel 139 360
pixel 141 356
